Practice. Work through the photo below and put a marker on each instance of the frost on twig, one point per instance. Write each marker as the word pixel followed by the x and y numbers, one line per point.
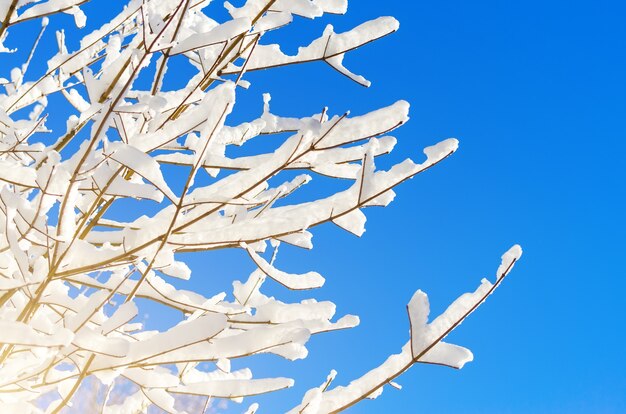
pixel 76 264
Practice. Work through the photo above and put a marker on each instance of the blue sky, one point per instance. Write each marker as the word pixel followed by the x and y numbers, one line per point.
pixel 536 93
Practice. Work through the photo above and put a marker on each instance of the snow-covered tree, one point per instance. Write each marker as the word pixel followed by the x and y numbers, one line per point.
pixel 72 266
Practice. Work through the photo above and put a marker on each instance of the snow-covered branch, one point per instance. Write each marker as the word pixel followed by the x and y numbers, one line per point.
pixel 76 263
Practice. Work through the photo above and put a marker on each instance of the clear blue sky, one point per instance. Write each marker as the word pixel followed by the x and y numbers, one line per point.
pixel 536 93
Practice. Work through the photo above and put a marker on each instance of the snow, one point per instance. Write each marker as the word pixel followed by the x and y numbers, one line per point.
pixel 234 388
pixel 77 265
pixel 329 45
pixel 309 280
pixel 53 6
pixel 508 260
pixel 89 340
pixel 178 337
pixel 14 173
pixel 79 17
pixel 21 334
pixel 354 222
pixel 141 163
pixel 219 34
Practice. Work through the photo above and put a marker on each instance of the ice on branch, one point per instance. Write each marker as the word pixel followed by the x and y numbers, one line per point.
pixel 114 168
